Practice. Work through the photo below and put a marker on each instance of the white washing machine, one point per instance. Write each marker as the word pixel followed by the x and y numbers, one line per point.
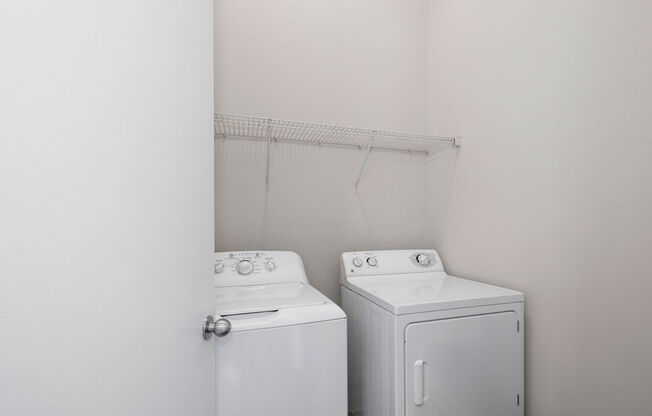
pixel 422 343
pixel 281 344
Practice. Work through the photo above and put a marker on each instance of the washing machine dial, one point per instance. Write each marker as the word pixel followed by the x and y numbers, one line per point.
pixel 270 266
pixel 423 259
pixel 372 261
pixel 219 267
pixel 244 267
pixel 357 262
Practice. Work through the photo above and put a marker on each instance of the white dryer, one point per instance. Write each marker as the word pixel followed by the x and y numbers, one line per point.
pixel 422 343
pixel 281 345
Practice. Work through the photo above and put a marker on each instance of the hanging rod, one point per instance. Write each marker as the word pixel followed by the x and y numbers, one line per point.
pixel 228 125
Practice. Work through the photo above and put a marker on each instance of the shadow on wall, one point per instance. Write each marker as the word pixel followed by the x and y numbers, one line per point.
pixel 311 206
pixel 441 169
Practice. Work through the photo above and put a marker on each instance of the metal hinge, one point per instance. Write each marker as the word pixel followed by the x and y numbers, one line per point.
pixel 518 399
pixel 518 326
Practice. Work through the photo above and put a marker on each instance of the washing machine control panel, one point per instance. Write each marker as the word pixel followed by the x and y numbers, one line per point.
pixel 237 268
pixel 366 263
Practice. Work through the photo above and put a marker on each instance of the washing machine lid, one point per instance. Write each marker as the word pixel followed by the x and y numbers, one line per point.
pixel 424 292
pixel 272 305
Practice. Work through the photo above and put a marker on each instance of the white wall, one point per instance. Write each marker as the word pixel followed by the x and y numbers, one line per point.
pixel 551 192
pixel 360 63
pixel 106 209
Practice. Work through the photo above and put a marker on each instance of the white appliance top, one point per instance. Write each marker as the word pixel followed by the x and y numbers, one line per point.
pixel 257 290
pixel 233 300
pixel 412 281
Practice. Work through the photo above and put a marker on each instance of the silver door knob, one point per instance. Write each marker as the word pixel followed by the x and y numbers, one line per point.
pixel 220 327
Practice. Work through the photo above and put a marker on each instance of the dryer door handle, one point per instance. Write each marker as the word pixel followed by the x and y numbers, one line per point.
pixel 419 375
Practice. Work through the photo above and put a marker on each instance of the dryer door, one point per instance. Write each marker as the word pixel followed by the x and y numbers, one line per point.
pixel 462 366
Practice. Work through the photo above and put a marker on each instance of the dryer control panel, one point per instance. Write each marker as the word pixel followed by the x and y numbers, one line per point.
pixel 238 268
pixel 371 263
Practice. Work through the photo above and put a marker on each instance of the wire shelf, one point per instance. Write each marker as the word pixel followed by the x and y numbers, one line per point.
pixel 227 125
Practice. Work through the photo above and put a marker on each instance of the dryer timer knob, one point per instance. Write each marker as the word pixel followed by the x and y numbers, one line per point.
pixel 423 259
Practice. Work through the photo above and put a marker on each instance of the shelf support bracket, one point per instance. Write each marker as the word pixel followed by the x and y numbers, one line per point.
pixel 364 164
pixel 269 145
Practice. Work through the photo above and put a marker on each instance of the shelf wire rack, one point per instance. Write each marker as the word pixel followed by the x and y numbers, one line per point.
pixel 277 130
pixel 227 125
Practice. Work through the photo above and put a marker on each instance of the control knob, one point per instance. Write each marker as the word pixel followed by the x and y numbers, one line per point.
pixel 270 266
pixel 244 267
pixel 423 259
pixel 372 261
pixel 357 262
pixel 219 267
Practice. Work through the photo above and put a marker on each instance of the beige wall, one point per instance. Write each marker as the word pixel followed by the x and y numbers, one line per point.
pixel 551 193
pixel 360 63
